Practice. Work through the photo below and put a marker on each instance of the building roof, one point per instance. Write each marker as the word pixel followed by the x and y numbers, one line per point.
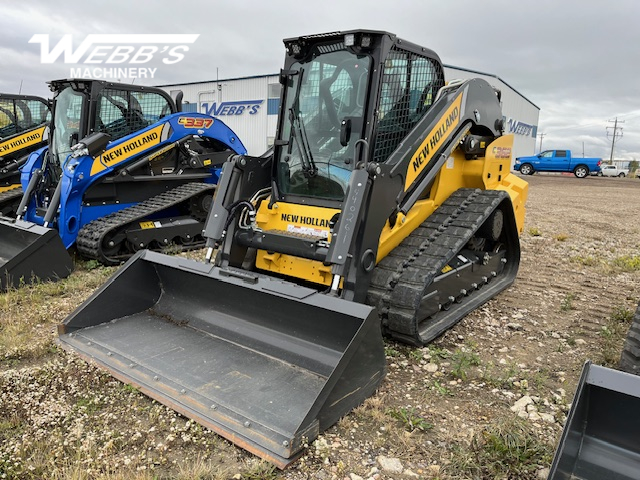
pixel 220 80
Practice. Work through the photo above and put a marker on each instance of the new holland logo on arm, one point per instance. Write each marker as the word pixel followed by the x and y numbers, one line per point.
pixel 120 152
pixel 29 138
pixel 433 141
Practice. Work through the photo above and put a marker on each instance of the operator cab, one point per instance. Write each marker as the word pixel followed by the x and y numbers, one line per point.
pixel 331 123
pixel 83 107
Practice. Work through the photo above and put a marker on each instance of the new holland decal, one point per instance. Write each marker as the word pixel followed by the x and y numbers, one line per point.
pixel 29 138
pixel 118 153
pixel 433 141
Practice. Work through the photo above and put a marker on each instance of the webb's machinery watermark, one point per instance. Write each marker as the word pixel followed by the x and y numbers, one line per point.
pixel 115 56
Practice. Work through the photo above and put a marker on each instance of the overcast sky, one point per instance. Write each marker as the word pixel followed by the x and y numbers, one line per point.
pixel 578 60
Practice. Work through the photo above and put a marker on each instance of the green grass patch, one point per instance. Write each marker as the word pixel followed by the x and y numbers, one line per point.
pixel 587 260
pixel 411 420
pixel 461 361
pixel 500 376
pixel 508 448
pixel 567 302
pixel 441 389
pixel 626 263
pixel 534 232
pixel 613 334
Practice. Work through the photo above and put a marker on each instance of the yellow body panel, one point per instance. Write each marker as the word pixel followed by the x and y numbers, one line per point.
pixel 9 187
pixel 489 173
pixel 296 220
pixel 497 176
pixel 27 139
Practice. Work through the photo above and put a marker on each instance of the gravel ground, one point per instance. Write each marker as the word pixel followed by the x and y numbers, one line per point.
pixel 486 400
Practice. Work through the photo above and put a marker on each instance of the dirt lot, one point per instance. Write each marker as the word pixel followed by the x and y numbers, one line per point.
pixel 486 400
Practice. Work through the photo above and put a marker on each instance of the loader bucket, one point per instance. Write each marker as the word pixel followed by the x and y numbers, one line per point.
pixel 600 437
pixel 265 363
pixel 30 252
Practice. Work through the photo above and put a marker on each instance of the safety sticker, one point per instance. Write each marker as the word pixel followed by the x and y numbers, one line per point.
pixel 316 232
pixel 149 224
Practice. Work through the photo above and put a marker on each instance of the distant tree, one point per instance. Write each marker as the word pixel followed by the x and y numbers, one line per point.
pixel 633 165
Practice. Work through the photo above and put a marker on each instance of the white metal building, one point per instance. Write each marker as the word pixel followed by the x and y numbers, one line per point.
pixel 249 105
pixel 520 114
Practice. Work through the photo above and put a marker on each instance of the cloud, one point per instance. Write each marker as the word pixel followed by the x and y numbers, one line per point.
pixel 575 59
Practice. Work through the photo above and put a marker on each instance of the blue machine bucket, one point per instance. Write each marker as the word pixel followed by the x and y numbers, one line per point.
pixel 265 363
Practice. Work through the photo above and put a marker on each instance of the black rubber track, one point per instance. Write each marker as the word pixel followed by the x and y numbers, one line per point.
pixel 630 358
pixel 90 237
pixel 9 201
pixel 400 280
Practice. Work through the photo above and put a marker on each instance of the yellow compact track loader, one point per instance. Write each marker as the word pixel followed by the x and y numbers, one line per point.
pixel 387 206
pixel 24 128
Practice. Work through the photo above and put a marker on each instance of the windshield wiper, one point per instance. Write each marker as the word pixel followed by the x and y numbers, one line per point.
pixel 299 134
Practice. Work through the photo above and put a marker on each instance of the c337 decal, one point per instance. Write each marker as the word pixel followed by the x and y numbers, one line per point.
pixel 195 122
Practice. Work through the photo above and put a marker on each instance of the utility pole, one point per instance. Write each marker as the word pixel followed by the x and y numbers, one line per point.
pixel 614 135
pixel 541 135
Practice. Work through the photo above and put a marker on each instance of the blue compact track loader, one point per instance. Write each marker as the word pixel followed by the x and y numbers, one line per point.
pixel 125 170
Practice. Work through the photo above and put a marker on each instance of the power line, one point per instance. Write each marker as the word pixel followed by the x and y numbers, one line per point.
pixel 541 135
pixel 614 134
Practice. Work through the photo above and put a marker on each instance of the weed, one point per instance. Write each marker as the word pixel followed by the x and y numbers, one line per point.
pixel 261 471
pixel 129 388
pixel 588 261
pixel 622 315
pixel 505 449
pixel 561 237
pixel 626 263
pixel 172 249
pixel 416 354
pixel 88 265
pixel 614 333
pixel 410 419
pixel 201 469
pixel 392 352
pixel 87 405
pixel 441 389
pixel 535 232
pixel 502 376
pixel 438 354
pixel 371 409
pixel 538 379
pixel 567 302
pixel 461 361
